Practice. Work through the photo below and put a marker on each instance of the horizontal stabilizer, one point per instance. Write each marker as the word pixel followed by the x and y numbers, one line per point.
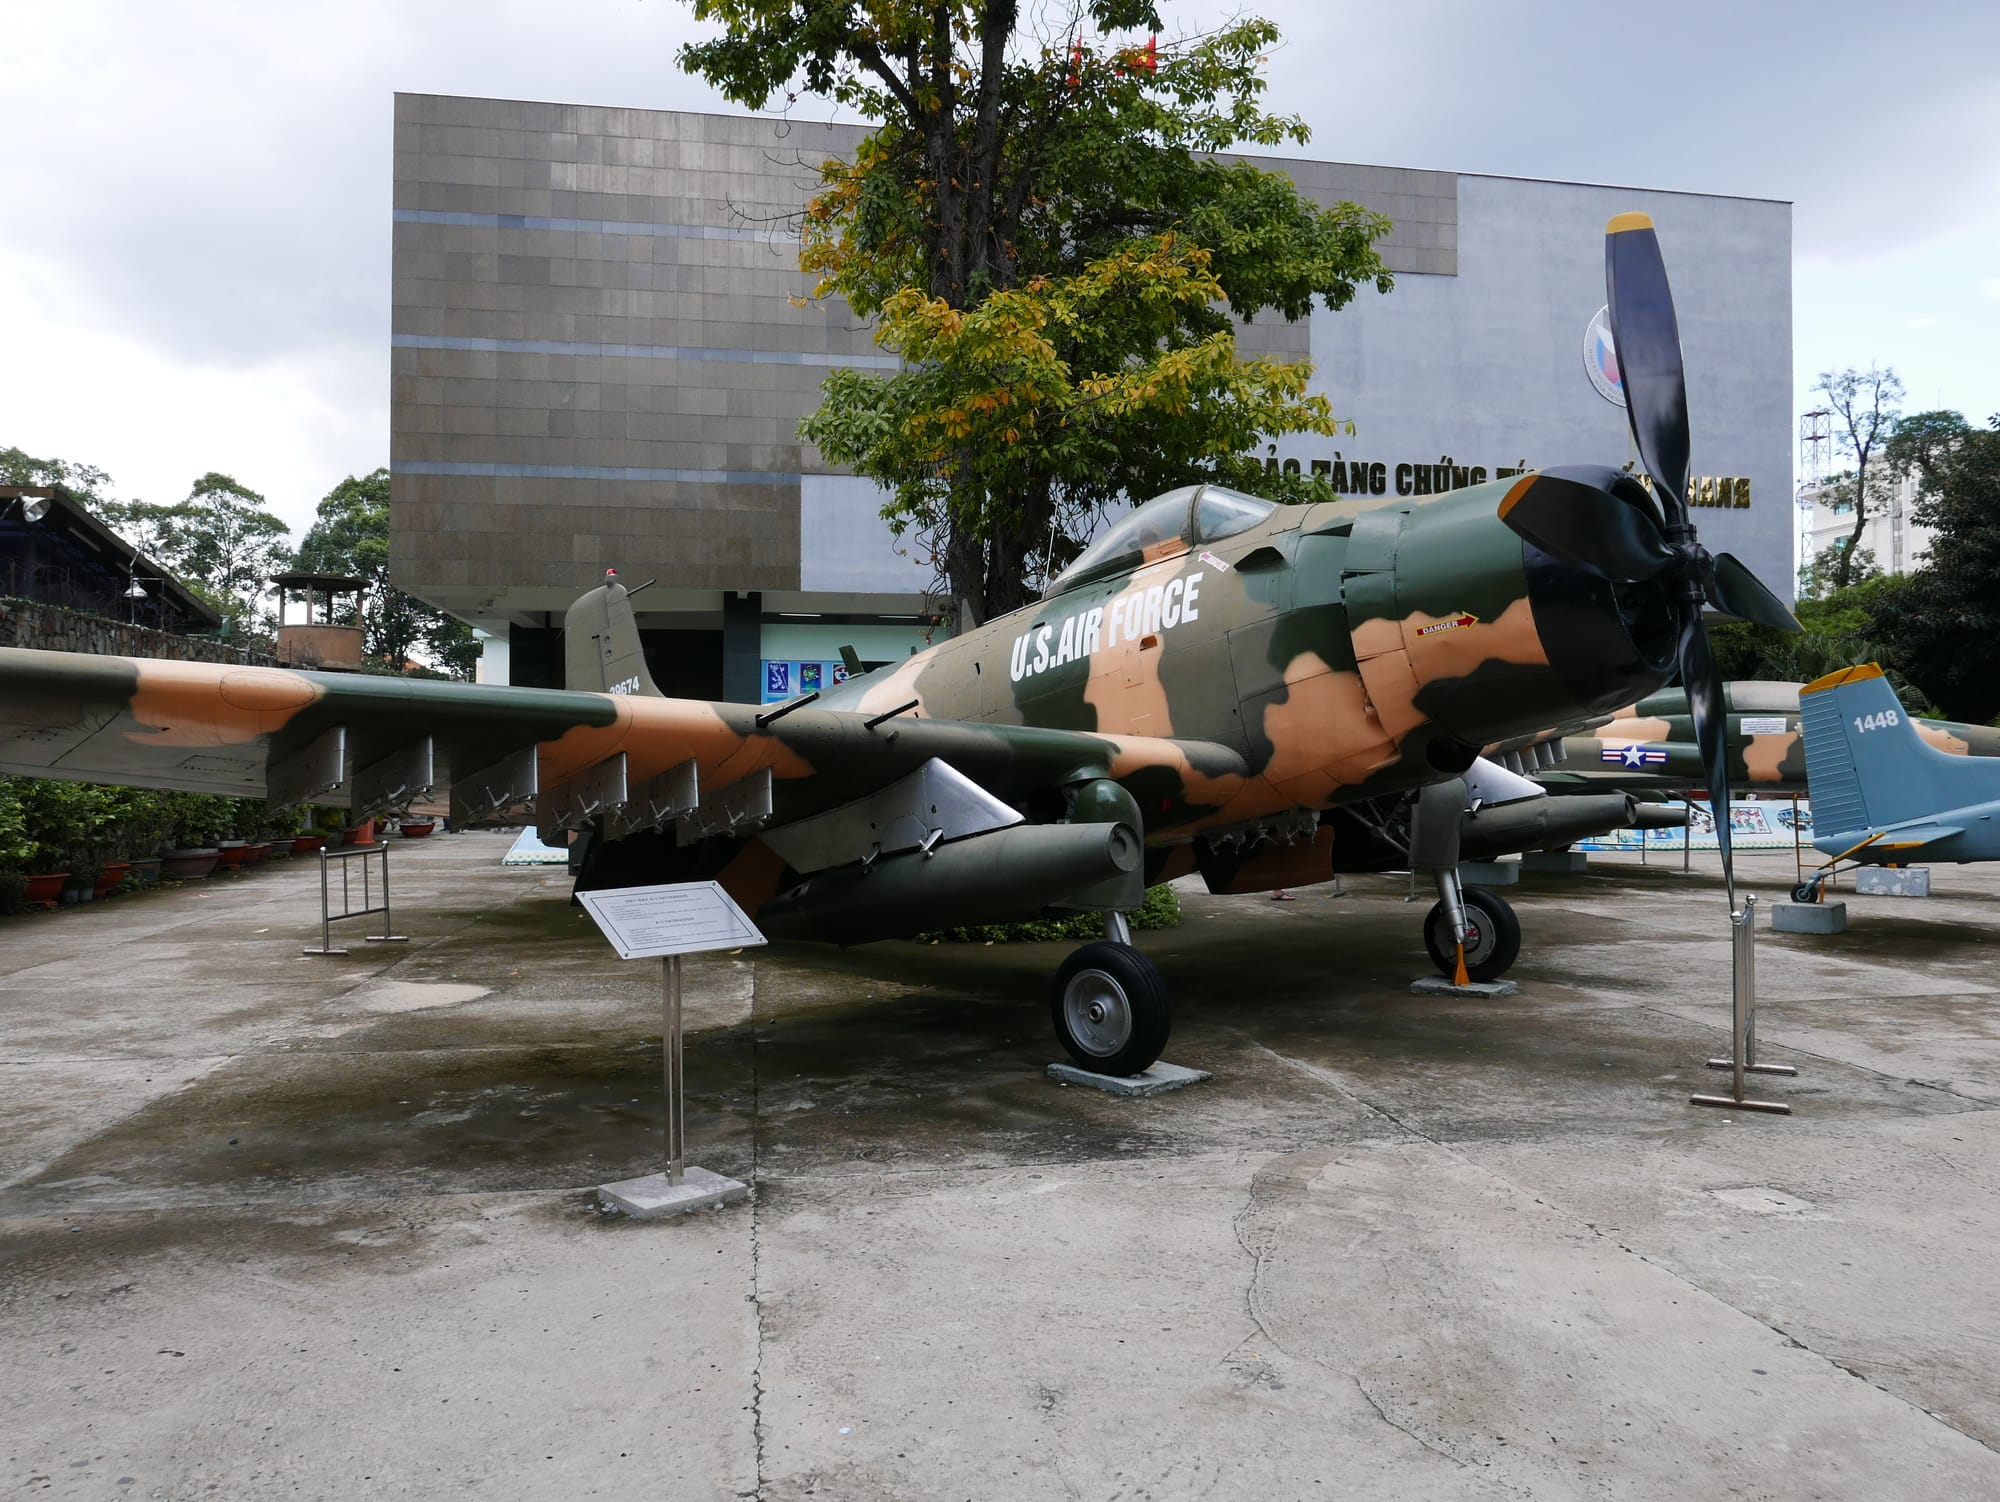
pixel 1915 836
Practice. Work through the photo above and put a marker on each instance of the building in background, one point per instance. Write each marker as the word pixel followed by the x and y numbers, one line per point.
pixel 602 352
pixel 54 553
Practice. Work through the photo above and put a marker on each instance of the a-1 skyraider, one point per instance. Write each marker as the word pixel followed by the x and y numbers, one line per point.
pixel 1215 684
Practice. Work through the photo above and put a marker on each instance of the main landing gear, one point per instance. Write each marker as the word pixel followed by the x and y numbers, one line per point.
pixel 1492 933
pixel 1110 1006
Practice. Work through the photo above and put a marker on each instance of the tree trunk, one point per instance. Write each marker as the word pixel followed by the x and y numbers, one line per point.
pixel 1842 574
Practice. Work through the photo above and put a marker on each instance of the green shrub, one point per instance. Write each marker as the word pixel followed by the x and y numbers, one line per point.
pixel 1161 909
pixel 79 827
pixel 71 824
pixel 198 820
pixel 17 850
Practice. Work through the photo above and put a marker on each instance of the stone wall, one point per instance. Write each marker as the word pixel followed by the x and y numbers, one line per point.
pixel 24 623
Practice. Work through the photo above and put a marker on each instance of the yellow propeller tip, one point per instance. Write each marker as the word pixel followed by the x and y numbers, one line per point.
pixel 1622 222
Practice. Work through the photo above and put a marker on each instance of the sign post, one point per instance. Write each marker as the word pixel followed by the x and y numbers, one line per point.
pixel 667 922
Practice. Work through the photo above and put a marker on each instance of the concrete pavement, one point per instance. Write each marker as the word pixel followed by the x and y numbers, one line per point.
pixel 274 1226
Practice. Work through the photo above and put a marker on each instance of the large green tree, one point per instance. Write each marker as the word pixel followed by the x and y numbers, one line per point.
pixel 1943 622
pixel 350 535
pixel 223 541
pixel 1042 226
pixel 86 482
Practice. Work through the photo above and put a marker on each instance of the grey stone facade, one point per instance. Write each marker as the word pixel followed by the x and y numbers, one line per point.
pixel 599 357
pixel 602 353
pixel 26 623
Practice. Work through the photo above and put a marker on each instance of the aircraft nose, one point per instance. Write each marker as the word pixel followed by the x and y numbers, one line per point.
pixel 1483 635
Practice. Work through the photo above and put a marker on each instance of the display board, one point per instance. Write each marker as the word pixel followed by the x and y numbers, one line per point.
pixel 684 917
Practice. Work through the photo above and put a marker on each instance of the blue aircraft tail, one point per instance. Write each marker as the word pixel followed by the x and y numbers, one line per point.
pixel 1867 766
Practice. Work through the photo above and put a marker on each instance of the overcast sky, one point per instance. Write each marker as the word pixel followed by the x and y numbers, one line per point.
pixel 194 256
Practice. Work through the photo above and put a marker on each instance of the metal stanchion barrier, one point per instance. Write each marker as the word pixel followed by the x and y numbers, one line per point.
pixel 346 860
pixel 1742 1058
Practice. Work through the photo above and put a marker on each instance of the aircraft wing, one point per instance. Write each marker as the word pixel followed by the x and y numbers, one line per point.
pixel 351 740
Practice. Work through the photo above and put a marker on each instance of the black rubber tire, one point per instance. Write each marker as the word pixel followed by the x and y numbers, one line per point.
pixel 1492 946
pixel 1806 891
pixel 1132 995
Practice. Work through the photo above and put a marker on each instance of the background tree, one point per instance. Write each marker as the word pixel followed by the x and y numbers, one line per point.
pixel 351 536
pixel 86 482
pixel 1943 624
pixel 1865 404
pixel 1016 160
pixel 222 541
pixel 1819 574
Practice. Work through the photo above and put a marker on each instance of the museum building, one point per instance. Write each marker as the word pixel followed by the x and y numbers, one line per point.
pixel 602 347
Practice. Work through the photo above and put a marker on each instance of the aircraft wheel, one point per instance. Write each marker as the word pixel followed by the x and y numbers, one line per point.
pixel 1110 1009
pixel 1806 891
pixel 1492 938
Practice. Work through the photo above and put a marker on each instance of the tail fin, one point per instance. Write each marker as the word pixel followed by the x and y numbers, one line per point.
pixel 1866 764
pixel 601 651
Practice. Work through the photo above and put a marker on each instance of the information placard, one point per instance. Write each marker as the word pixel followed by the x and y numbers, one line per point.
pixel 684 917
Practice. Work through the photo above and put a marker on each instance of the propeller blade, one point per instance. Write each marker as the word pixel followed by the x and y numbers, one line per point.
pixel 1736 591
pixel 1583 525
pixel 1648 338
pixel 1711 733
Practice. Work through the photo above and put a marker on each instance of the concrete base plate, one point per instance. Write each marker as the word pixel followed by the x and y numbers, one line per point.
pixel 1478 990
pixel 1555 862
pixel 1880 881
pixel 1157 1080
pixel 653 1198
pixel 1809 917
pixel 1490 873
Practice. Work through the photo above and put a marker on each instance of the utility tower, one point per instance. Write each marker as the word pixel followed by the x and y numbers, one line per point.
pixel 1815 459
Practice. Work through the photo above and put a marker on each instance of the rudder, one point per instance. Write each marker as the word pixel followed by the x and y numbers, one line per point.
pixel 601 649
pixel 1866 765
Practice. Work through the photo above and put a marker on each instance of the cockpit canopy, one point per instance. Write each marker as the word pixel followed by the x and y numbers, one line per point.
pixel 1163 527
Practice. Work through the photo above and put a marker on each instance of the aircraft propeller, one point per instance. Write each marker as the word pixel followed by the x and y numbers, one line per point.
pixel 1562 514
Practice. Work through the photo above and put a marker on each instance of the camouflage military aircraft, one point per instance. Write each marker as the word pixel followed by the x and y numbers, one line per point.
pixel 1649 746
pixel 1211 685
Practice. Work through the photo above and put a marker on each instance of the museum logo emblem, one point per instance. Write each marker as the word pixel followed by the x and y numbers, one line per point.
pixel 1600 358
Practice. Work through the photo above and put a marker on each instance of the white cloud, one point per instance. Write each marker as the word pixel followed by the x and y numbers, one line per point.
pixel 199 276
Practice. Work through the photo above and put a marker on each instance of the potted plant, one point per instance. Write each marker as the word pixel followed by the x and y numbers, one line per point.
pixel 274 828
pixel 18 852
pixel 61 820
pixel 195 827
pixel 147 817
pixel 331 824
pixel 416 828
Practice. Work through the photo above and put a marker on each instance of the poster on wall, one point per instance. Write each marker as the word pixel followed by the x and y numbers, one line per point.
pixel 789 679
pixel 1753 825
